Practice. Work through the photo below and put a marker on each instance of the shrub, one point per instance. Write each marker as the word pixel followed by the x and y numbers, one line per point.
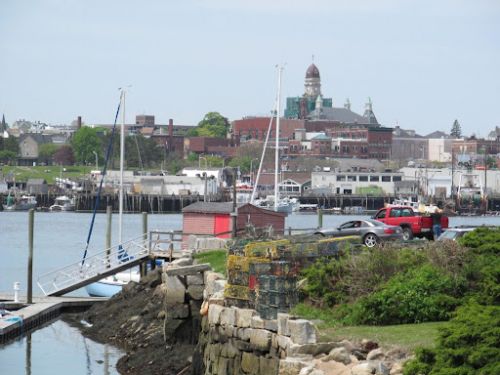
pixel 483 240
pixel 468 345
pixel 420 295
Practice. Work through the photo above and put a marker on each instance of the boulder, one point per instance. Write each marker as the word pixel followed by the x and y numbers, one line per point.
pixel 375 354
pixel 338 355
pixel 244 317
pixel 302 331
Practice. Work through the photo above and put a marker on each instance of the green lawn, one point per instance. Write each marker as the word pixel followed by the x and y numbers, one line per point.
pixel 49 173
pixel 216 259
pixel 406 336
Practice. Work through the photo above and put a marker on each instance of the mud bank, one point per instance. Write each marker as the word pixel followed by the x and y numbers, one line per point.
pixel 133 320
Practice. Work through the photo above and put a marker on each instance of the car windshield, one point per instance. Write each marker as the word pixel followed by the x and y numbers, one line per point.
pixel 374 223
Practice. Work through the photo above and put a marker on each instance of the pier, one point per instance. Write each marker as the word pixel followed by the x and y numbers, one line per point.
pixel 24 317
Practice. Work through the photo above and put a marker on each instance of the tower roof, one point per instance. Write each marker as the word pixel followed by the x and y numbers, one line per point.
pixel 312 71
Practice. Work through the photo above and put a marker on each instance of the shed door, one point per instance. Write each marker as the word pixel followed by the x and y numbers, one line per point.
pixel 222 225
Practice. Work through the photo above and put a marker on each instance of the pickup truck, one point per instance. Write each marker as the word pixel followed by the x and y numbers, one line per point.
pixel 412 223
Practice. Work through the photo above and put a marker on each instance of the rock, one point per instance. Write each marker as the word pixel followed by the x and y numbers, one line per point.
pixel 375 354
pixel 176 293
pixel 244 317
pixel 333 368
pixel 214 312
pixel 244 333
pixel 195 279
pixel 249 363
pixel 397 369
pixel 396 354
pixel 222 366
pixel 268 365
pixel 283 324
pixel 291 366
pixel 364 368
pixel 180 310
pixel 181 262
pixel 161 315
pixel 284 342
pixel 209 280
pixel 228 316
pixel 368 345
pixel 257 322
pixel 271 325
pixel 381 369
pixel 310 349
pixel 196 291
pixel 338 355
pixel 260 339
pixel 349 346
pixel 302 331
pixel 359 355
pixel 306 370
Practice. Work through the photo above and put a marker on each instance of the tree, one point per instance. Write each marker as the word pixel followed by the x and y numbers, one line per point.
pixel 456 130
pixel 46 152
pixel 7 156
pixel 9 144
pixel 85 142
pixel 64 155
pixel 212 125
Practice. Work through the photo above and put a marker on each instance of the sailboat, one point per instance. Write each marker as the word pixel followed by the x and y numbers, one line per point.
pixel 276 202
pixel 111 285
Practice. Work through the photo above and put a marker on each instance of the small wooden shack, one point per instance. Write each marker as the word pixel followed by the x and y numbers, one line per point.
pixel 215 219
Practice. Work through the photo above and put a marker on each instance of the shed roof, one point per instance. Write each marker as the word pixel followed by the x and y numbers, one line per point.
pixel 210 207
pixel 36 181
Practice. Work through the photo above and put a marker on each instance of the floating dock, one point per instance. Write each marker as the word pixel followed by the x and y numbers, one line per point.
pixel 23 317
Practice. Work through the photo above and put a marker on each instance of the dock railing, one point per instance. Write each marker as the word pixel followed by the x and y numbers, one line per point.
pixel 95 267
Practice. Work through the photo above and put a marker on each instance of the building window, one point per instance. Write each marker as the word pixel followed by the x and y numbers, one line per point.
pixel 363 178
pixel 386 178
pixel 351 178
pixel 374 178
pixel 396 178
pixel 340 177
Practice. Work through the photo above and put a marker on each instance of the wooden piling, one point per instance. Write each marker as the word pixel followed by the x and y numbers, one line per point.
pixel 31 223
pixel 320 218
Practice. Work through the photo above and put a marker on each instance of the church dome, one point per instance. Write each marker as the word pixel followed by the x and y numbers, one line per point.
pixel 312 71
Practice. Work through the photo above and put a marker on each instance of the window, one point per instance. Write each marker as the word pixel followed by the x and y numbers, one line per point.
pixel 396 178
pixel 351 178
pixel 386 178
pixel 406 212
pixel 348 191
pixel 374 178
pixel 363 178
pixel 381 214
pixel 395 213
pixel 340 177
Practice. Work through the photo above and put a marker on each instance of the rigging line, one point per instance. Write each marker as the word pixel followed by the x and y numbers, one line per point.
pixel 139 153
pixel 252 198
pixel 104 169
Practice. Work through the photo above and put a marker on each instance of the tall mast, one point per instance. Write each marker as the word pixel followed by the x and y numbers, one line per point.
pixel 277 134
pixel 122 156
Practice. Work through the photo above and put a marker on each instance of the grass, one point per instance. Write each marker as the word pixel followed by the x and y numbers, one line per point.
pixel 48 173
pixel 405 336
pixel 216 259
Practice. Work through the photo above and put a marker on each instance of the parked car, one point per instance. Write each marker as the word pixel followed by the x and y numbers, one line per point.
pixel 412 223
pixel 371 231
pixel 455 233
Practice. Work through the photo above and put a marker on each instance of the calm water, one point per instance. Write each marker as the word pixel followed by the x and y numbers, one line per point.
pixel 59 240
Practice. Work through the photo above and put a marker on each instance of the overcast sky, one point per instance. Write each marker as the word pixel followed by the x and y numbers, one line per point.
pixel 423 63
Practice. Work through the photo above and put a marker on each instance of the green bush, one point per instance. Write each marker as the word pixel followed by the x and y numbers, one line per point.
pixel 483 240
pixel 468 345
pixel 421 295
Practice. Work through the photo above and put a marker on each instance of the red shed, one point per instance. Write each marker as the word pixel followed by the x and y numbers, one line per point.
pixel 214 218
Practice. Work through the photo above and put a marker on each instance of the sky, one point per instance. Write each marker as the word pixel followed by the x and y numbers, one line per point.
pixel 423 63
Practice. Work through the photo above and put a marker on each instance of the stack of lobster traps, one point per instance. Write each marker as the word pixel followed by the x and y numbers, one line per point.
pixel 263 275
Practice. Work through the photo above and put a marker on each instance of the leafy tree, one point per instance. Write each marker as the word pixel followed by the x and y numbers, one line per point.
pixel 140 149
pixel 456 130
pixel 47 151
pixel 85 142
pixel 244 163
pixel 64 155
pixel 212 125
pixel 7 156
pixel 9 144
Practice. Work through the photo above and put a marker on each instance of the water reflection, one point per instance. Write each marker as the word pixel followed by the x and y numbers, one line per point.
pixel 58 349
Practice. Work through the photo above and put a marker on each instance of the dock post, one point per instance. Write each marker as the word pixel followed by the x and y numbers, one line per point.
pixel 320 218
pixel 31 222
pixel 143 266
pixel 109 215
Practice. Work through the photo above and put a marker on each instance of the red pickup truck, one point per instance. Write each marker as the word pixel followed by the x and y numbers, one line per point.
pixel 413 223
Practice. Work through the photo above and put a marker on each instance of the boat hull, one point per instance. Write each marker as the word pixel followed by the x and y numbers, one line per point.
pixel 103 289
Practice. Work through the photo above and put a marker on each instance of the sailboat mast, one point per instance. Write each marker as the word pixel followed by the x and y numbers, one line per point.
pixel 122 156
pixel 277 134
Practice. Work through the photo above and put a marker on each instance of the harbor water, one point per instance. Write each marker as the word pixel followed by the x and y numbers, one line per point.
pixel 59 239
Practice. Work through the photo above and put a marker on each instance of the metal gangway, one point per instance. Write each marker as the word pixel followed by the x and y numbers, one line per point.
pixel 95 267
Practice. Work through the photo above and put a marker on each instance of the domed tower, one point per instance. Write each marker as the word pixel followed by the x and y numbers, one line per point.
pixel 312 83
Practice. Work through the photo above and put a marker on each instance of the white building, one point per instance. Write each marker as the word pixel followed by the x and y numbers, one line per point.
pixel 356 182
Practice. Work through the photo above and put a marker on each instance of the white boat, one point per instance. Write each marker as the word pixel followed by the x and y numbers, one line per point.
pixel 22 203
pixel 471 197
pixel 63 203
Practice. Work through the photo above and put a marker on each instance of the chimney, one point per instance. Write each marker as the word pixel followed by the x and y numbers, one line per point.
pixel 79 122
pixel 170 128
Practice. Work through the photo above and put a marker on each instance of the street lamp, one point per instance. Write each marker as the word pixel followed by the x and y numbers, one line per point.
pixel 96 160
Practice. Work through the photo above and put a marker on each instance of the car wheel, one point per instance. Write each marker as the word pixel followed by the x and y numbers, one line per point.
pixel 407 234
pixel 370 240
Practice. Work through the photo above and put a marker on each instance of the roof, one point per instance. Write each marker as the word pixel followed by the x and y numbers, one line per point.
pixel 437 134
pixel 322 137
pixel 342 115
pixel 312 71
pixel 210 207
pixel 37 137
pixel 36 181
